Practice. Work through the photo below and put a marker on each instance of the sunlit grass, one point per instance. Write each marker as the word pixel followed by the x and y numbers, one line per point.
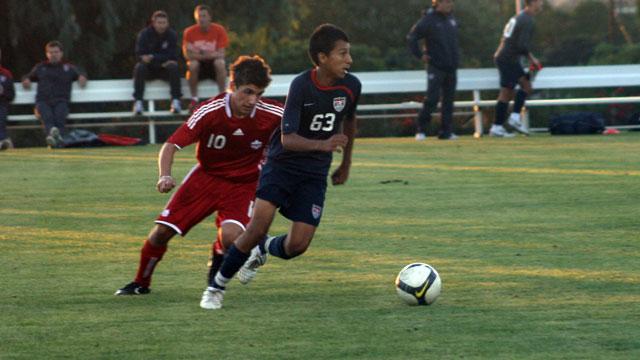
pixel 535 239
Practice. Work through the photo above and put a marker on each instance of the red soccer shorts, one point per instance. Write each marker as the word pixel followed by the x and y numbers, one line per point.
pixel 200 195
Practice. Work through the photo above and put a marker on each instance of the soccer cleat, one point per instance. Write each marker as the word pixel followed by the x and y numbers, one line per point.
pixel 133 288
pixel 421 136
pixel 250 268
pixel 138 107
pixel 212 299
pixel 500 131
pixel 176 107
pixel 517 125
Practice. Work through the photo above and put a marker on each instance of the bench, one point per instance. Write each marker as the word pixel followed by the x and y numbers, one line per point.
pixel 413 82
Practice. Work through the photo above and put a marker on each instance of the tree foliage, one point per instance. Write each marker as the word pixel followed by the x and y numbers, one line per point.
pixel 99 35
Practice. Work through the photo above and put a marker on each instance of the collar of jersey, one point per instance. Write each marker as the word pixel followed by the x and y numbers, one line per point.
pixel 227 106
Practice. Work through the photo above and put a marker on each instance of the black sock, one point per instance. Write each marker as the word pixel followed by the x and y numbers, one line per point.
pixel 276 247
pixel 233 261
pixel 518 103
pixel 214 266
pixel 501 112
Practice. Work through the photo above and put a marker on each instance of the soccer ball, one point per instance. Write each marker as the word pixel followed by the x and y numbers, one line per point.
pixel 418 284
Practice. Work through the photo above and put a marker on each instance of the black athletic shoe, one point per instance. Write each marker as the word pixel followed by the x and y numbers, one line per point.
pixel 133 288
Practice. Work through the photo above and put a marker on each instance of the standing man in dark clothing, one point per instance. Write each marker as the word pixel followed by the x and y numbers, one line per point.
pixel 54 78
pixel 439 30
pixel 157 53
pixel 7 93
pixel 515 44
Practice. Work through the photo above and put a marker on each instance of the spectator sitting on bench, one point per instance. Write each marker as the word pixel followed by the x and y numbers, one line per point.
pixel 7 93
pixel 54 78
pixel 156 50
pixel 203 46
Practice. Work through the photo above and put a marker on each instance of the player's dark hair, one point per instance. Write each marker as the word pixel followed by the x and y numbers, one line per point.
pixel 159 14
pixel 528 2
pixel 54 43
pixel 202 7
pixel 323 40
pixel 250 70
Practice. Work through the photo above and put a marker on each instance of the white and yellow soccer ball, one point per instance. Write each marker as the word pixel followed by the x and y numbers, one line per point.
pixel 418 284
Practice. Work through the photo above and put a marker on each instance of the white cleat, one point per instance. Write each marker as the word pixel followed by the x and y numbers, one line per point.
pixel 421 136
pixel 250 268
pixel 516 124
pixel 500 131
pixel 212 299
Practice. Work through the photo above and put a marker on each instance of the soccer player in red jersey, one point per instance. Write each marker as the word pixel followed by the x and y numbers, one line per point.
pixel 231 131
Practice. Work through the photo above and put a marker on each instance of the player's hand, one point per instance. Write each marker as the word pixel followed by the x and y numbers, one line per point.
pixel 82 81
pixel 165 184
pixel 336 142
pixel 26 84
pixel 340 176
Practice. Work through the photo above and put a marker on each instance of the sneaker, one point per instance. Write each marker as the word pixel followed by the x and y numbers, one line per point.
pixel 54 139
pixel 451 136
pixel 133 288
pixel 193 105
pixel 138 107
pixel 212 299
pixel 500 131
pixel 421 136
pixel 250 268
pixel 517 125
pixel 6 144
pixel 176 107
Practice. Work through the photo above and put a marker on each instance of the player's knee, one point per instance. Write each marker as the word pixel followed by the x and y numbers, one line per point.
pixel 161 234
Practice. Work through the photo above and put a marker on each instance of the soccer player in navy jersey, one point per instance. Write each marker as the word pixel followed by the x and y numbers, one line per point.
pixel 231 131
pixel 515 45
pixel 319 118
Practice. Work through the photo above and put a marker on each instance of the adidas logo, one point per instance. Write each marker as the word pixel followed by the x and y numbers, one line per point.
pixel 238 132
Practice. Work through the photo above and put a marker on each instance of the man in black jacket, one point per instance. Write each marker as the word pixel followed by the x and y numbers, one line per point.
pixel 54 77
pixel 439 30
pixel 157 53
pixel 7 93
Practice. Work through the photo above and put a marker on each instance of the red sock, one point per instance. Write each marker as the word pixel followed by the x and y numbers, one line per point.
pixel 150 256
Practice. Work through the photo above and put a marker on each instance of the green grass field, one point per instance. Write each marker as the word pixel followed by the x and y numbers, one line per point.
pixel 536 240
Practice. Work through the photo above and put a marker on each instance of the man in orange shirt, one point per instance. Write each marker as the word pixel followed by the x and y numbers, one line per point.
pixel 203 46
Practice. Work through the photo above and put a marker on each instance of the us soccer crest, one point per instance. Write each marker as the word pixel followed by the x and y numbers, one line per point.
pixel 339 103
pixel 316 211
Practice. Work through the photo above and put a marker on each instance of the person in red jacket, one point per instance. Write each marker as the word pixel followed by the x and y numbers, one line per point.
pixel 7 94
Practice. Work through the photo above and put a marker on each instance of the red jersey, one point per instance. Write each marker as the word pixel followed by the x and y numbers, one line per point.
pixel 229 147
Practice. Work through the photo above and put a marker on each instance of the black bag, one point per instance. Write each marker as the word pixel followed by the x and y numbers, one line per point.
pixel 577 123
pixel 81 138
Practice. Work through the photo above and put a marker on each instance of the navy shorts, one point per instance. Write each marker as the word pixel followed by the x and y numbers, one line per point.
pixel 510 73
pixel 300 197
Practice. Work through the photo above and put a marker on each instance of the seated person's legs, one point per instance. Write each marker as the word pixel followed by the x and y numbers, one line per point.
pixel 140 73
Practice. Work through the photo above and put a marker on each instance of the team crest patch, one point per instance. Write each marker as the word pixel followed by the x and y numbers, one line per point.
pixel 316 211
pixel 339 103
pixel 165 212
pixel 256 144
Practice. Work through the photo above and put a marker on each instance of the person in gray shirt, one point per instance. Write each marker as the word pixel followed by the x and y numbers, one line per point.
pixel 514 46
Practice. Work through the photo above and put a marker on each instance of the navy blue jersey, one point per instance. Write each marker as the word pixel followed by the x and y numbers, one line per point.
pixel 314 112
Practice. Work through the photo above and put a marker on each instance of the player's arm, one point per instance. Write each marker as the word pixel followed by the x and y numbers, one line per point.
pixel 165 163
pixel 295 142
pixel 341 174
pixel 414 37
